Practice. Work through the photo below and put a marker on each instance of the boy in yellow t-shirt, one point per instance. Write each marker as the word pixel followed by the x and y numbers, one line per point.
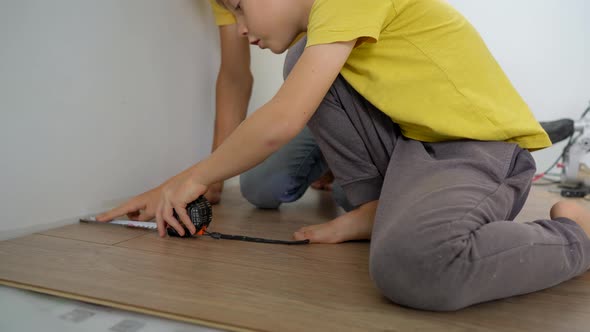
pixel 286 174
pixel 428 138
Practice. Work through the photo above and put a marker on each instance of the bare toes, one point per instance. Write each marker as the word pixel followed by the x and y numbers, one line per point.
pixel 322 233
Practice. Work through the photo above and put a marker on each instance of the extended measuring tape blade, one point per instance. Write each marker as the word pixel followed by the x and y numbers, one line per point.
pixel 126 223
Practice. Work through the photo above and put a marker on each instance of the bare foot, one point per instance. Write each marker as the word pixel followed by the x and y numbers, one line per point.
pixel 573 211
pixel 354 225
pixel 324 182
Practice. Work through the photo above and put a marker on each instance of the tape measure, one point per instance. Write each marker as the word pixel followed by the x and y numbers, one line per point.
pixel 200 213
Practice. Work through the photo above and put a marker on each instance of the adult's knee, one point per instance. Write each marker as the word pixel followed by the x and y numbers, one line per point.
pixel 412 272
pixel 258 191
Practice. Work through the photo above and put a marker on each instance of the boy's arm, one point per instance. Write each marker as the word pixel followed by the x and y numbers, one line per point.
pixel 281 119
pixel 269 128
pixel 234 85
pixel 233 91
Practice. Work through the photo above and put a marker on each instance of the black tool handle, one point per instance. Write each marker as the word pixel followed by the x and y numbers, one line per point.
pixel 558 130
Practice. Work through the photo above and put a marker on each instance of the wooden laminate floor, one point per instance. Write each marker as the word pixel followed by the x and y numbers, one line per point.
pixel 248 286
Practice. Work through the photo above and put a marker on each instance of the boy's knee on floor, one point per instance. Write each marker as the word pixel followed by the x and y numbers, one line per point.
pixel 414 279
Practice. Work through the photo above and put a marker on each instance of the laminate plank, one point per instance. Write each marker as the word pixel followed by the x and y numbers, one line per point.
pixel 239 297
pixel 250 286
pixel 197 290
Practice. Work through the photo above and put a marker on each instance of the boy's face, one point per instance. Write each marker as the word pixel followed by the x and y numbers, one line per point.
pixel 272 24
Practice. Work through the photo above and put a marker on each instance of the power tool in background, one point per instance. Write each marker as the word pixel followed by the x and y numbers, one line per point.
pixel 574 178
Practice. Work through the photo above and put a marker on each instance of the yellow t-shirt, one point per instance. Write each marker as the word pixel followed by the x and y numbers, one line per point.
pixel 222 16
pixel 424 65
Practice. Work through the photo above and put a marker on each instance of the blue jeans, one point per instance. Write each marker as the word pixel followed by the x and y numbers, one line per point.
pixel 286 174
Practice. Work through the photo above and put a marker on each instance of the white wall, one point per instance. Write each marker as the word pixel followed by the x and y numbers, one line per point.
pixel 99 100
pixel 267 69
pixel 543 46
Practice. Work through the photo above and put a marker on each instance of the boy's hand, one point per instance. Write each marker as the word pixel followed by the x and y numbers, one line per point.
pixel 175 196
pixel 213 195
pixel 139 208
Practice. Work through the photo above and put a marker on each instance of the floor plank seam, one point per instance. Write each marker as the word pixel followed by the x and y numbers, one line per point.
pixel 133 238
pixel 71 239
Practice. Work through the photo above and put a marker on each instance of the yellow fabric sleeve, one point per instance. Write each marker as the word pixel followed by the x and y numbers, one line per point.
pixel 222 15
pixel 345 20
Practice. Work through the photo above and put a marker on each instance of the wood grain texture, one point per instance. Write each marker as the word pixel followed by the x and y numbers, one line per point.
pixel 249 286
pixel 97 233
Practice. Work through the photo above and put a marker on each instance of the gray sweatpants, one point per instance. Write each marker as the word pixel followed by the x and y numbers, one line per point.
pixel 443 236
